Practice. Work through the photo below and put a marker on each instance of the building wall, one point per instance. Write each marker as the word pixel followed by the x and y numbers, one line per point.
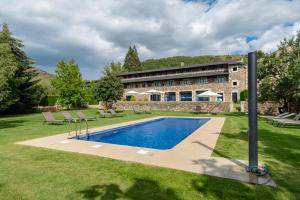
pixel 226 88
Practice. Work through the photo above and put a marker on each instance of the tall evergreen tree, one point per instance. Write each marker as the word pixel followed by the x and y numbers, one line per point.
pixel 132 61
pixel 26 92
pixel 8 67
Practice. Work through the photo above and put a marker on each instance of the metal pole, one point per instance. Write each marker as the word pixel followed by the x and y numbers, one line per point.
pixel 252 109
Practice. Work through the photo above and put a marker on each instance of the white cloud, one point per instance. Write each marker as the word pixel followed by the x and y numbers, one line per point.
pixel 96 32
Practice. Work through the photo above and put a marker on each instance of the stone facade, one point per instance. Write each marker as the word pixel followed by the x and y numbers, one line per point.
pixel 175 106
pixel 224 79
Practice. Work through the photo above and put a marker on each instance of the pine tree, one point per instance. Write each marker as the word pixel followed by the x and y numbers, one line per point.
pixel 8 67
pixel 25 91
pixel 132 61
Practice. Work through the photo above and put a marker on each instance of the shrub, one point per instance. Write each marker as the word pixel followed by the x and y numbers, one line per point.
pixel 244 95
pixel 52 100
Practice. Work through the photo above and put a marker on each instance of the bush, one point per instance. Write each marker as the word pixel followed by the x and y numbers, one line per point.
pixel 132 98
pixel 244 95
pixel 52 100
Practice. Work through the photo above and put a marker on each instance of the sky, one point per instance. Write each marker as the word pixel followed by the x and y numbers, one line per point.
pixel 96 32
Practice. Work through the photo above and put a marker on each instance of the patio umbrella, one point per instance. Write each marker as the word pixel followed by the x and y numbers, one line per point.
pixel 208 94
pixel 154 92
pixel 143 93
pixel 132 92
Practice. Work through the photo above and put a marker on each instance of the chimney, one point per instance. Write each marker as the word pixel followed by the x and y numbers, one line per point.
pixel 182 64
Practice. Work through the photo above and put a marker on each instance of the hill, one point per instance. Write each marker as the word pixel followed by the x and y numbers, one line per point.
pixel 188 60
pixel 41 74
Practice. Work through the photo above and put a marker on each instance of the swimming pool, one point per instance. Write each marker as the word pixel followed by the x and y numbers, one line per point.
pixel 162 133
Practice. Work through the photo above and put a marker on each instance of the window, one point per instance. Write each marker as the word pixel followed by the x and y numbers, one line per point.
pixel 222 97
pixel 170 83
pixel 185 96
pixel 157 83
pixel 203 80
pixel 201 99
pixel 170 96
pixel 234 97
pixel 234 69
pixel 155 97
pixel 128 97
pixel 234 83
pixel 220 79
pixel 143 85
pixel 136 85
pixel 186 82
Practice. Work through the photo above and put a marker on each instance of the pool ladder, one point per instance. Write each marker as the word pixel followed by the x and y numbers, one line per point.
pixel 78 129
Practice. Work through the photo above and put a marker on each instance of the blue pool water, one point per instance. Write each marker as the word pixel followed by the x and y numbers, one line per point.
pixel 163 133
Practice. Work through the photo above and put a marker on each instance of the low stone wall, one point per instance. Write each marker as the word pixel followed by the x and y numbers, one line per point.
pixel 175 106
pixel 263 108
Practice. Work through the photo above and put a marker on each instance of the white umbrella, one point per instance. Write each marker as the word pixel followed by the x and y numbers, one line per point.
pixel 132 92
pixel 154 92
pixel 208 94
pixel 143 93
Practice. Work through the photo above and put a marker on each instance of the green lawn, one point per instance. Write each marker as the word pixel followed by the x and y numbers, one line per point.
pixel 36 173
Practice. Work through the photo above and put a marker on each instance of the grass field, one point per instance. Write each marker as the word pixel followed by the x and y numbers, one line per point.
pixel 36 173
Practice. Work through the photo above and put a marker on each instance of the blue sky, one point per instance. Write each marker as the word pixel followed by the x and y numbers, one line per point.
pixel 94 33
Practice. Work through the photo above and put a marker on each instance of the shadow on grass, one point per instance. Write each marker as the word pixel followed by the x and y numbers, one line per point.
pixel 142 189
pixel 219 188
pixel 11 123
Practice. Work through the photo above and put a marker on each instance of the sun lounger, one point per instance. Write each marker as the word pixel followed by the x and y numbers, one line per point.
pixel 82 116
pixel 136 110
pixel 282 122
pixel 215 111
pixel 103 114
pixel 283 117
pixel 274 117
pixel 68 117
pixel 197 110
pixel 147 109
pixel 49 118
pixel 113 113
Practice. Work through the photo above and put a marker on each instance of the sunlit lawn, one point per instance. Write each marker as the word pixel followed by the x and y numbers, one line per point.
pixel 36 173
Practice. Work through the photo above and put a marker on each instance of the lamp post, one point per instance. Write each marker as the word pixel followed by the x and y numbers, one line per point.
pixel 252 110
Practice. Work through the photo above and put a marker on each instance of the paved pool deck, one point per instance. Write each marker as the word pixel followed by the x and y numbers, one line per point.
pixel 193 154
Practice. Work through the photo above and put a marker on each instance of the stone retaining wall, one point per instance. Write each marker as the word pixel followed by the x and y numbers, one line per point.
pixel 263 108
pixel 175 106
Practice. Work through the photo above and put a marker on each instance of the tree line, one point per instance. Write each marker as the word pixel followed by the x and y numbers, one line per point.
pixel 278 74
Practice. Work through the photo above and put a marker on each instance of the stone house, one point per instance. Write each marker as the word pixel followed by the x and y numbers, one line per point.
pixel 183 83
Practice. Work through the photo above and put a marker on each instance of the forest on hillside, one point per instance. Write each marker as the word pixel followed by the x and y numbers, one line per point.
pixel 188 60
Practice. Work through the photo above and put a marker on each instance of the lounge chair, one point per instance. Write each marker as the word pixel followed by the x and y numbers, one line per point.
pixel 197 110
pixel 147 109
pixel 274 120
pixel 49 118
pixel 82 116
pixel 274 117
pixel 103 114
pixel 68 117
pixel 286 121
pixel 215 111
pixel 113 113
pixel 136 110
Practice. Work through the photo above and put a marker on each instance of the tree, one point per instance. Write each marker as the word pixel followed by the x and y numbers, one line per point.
pixel 8 67
pixel 279 73
pixel 132 61
pixel 109 89
pixel 69 84
pixel 25 92
pixel 114 68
